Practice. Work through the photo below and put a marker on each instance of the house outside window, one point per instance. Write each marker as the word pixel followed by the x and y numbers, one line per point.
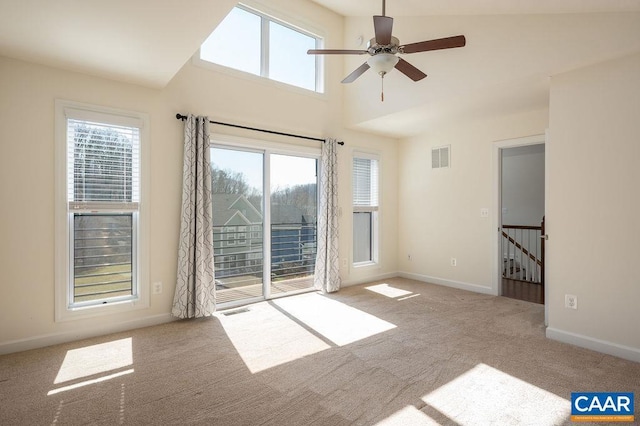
pixel 365 176
pixel 252 42
pixel 99 222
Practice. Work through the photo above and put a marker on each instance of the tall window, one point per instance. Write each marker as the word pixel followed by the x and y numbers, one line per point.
pixel 252 42
pixel 365 209
pixel 102 185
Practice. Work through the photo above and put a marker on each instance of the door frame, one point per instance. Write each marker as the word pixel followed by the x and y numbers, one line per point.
pixel 496 156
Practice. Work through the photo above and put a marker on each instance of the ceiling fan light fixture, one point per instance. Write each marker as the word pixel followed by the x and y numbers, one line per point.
pixel 382 63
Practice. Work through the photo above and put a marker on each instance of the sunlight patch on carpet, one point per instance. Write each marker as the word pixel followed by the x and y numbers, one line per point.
pixel 95 359
pixel 485 395
pixel 265 337
pixel 336 321
pixel 409 415
pixel 90 382
pixel 387 290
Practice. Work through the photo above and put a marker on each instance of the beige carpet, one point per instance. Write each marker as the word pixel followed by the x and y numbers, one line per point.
pixel 397 352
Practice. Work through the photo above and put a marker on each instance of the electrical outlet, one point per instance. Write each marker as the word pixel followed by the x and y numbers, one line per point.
pixel 345 262
pixel 157 287
pixel 454 262
pixel 570 301
pixel 484 212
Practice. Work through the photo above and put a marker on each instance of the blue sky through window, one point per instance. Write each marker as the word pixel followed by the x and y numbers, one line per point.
pixel 237 43
pixel 286 170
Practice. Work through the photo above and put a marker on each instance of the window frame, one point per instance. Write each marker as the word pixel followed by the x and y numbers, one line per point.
pixel 65 308
pixel 265 19
pixel 373 210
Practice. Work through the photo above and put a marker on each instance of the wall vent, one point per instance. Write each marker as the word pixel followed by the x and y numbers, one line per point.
pixel 441 157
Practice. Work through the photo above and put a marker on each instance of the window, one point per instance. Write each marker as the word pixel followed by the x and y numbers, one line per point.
pixel 231 235
pixel 365 209
pixel 252 42
pixel 99 185
pixel 242 235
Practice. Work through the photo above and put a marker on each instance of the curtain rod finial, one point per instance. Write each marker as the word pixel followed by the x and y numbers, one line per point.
pixel 181 117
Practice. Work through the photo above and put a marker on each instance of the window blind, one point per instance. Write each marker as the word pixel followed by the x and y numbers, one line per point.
pixel 103 164
pixel 365 182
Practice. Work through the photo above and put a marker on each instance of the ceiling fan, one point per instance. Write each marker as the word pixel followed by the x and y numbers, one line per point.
pixel 384 49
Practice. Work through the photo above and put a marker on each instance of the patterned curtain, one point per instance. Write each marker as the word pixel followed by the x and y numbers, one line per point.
pixel 195 287
pixel 326 276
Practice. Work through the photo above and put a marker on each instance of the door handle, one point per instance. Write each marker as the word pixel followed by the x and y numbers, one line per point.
pixel 545 237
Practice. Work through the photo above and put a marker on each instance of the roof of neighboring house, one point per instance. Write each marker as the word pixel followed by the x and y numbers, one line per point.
pixel 234 209
pixel 287 213
pixel 226 206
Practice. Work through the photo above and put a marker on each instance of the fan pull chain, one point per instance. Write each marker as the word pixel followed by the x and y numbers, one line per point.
pixel 382 89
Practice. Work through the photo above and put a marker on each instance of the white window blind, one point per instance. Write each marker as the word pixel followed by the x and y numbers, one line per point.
pixel 365 182
pixel 365 209
pixel 103 165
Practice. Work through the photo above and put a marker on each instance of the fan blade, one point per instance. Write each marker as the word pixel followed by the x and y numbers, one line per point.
pixel 409 70
pixel 335 52
pixel 356 73
pixel 441 43
pixel 382 26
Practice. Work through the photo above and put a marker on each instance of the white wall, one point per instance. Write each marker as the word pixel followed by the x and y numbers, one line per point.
pixel 594 201
pixel 523 185
pixel 27 172
pixel 439 217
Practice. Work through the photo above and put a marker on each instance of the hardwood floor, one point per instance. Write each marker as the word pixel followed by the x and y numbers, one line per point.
pixel 522 290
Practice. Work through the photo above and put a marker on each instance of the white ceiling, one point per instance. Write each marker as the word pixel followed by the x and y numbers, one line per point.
pixel 139 41
pixel 513 46
pixel 504 68
pixel 476 7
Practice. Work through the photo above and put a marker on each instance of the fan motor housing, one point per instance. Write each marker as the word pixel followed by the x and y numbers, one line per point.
pixel 374 48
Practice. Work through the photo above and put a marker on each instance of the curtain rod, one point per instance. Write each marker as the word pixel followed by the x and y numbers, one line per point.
pixel 184 117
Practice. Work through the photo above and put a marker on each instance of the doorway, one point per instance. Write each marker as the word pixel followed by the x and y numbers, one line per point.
pixel 522 222
pixel 520 181
pixel 264 217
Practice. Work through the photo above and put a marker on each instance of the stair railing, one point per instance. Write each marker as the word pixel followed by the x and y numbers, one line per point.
pixel 523 252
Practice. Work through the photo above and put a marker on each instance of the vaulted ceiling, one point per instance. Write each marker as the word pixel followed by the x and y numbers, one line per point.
pixel 513 47
pixel 138 41
pixel 512 50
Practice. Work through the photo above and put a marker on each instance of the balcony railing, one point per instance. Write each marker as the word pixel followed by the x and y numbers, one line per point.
pixel 102 246
pixel 239 253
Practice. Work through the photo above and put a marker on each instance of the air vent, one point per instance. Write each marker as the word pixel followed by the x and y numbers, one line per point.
pixel 235 312
pixel 440 157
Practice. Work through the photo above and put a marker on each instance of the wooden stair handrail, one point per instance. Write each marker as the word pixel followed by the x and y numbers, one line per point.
pixel 522 249
pixel 539 228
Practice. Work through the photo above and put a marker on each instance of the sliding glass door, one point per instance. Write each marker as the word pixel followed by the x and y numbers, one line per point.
pixel 294 210
pixel 262 249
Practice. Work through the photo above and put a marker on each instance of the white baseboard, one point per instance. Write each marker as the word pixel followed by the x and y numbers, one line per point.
pixel 70 336
pixel 610 348
pixel 476 288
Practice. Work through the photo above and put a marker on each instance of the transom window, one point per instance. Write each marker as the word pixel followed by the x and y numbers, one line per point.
pixel 252 42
